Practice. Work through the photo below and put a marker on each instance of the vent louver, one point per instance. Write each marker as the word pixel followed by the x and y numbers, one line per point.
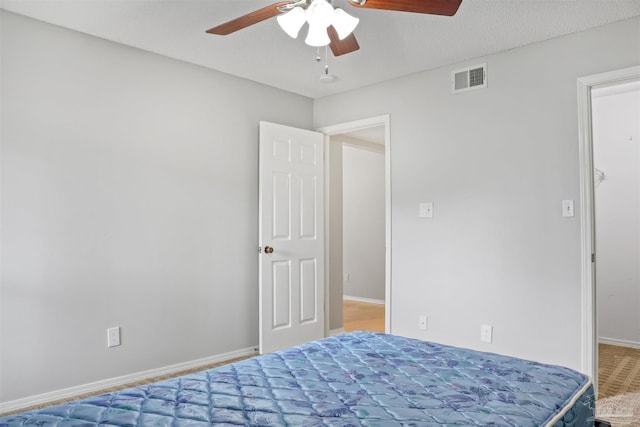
pixel 470 78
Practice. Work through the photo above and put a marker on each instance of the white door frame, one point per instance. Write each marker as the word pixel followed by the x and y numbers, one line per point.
pixel 587 203
pixel 349 127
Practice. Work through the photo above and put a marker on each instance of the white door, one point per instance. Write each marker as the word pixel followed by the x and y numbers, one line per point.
pixel 291 275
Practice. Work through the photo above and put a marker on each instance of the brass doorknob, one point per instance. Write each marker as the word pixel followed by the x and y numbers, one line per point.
pixel 268 250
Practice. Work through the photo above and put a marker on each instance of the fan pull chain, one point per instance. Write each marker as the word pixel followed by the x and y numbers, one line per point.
pixel 326 60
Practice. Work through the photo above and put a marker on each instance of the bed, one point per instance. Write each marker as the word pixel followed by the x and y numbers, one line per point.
pixel 354 379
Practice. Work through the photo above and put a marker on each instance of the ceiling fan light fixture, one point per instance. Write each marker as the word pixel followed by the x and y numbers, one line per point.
pixel 344 23
pixel 292 21
pixel 321 16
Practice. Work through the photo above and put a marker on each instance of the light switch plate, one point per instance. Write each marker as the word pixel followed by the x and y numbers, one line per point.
pixel 422 322
pixel 567 209
pixel 426 210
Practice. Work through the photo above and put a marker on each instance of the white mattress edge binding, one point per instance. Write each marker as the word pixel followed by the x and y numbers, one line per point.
pixel 569 405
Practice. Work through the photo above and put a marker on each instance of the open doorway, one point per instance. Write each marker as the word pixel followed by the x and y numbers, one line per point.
pixel 363 228
pixel 616 161
pixel 358 226
pixel 617 407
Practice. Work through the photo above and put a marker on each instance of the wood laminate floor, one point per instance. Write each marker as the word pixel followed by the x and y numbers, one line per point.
pixel 362 316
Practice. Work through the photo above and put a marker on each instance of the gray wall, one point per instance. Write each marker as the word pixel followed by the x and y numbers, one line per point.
pixel 616 135
pixel 496 163
pixel 363 220
pixel 129 197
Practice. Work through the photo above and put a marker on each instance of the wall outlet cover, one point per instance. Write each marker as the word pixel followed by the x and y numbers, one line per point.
pixel 486 333
pixel 113 336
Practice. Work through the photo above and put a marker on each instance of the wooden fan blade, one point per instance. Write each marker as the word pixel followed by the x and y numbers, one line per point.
pixel 340 47
pixel 248 19
pixel 432 7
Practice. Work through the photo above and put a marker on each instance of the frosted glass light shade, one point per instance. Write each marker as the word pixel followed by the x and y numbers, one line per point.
pixel 317 36
pixel 292 21
pixel 344 23
pixel 320 13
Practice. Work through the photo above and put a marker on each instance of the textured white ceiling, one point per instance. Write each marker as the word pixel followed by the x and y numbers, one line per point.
pixel 393 44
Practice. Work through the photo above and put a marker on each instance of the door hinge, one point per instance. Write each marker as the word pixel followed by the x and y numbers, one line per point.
pixel 593 257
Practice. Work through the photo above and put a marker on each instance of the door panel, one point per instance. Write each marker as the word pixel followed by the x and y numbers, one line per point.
pixel 308 291
pixel 308 196
pixel 281 208
pixel 281 294
pixel 291 222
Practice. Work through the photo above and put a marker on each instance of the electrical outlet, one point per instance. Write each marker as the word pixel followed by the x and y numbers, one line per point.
pixel 346 277
pixel 113 336
pixel 422 322
pixel 486 333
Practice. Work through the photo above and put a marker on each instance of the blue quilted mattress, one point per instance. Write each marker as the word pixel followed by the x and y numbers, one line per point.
pixel 356 379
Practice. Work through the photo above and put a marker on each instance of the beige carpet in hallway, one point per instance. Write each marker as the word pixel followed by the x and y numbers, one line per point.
pixel 618 385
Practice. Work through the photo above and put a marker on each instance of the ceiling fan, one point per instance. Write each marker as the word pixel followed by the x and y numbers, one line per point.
pixel 329 26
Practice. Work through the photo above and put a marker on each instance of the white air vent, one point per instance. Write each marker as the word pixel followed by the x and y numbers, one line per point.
pixel 470 78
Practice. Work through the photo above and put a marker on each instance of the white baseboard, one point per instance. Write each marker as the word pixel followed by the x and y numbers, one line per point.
pixel 359 299
pixel 334 332
pixel 69 393
pixel 621 343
